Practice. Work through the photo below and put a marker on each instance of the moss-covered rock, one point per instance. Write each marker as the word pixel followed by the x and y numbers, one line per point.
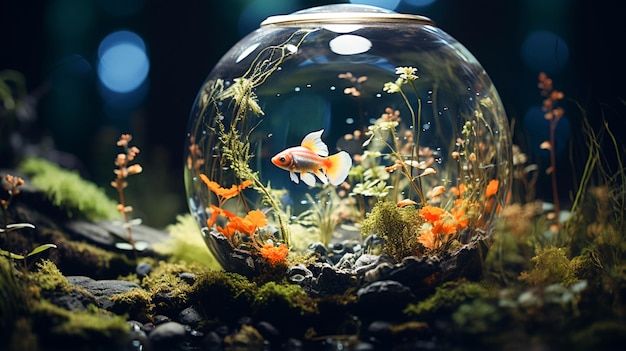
pixel 136 303
pixel 49 278
pixel 223 296
pixel 397 225
pixel 93 328
pixel 448 297
pixel 551 265
pixel 69 191
pixel 281 304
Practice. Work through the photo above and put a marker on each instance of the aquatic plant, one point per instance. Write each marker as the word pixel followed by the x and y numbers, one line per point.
pixel 182 247
pixel 238 112
pixel 244 232
pixel 12 303
pixel 11 184
pixel 443 213
pixel 553 113
pixel 322 217
pixel 122 172
pixel 597 231
pixel 385 129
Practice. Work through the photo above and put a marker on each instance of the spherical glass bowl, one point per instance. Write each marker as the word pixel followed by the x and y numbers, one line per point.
pixel 345 137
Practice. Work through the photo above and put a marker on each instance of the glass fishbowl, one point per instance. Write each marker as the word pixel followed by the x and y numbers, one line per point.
pixel 343 139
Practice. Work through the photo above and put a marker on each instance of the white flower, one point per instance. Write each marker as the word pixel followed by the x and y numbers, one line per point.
pixel 391 87
pixel 407 73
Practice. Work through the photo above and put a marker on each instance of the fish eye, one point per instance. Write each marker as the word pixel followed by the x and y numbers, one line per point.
pixel 283 159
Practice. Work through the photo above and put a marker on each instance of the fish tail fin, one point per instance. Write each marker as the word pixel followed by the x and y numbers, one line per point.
pixel 339 165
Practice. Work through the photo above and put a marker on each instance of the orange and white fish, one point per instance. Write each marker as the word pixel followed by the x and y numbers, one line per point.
pixel 311 157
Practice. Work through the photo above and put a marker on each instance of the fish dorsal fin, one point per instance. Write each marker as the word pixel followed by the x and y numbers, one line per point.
pixel 313 141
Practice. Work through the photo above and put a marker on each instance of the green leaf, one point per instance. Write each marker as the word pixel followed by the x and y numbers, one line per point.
pixel 11 255
pixel 41 248
pixel 15 226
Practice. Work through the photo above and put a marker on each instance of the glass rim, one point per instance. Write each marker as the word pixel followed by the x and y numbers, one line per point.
pixel 345 18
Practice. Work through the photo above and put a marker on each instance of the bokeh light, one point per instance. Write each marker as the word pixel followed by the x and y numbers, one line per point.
pixel 543 50
pixel 123 63
pixel 385 4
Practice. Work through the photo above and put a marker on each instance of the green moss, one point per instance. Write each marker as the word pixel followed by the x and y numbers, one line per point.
pixel 81 258
pixel 67 190
pixel 476 317
pixel 397 225
pixel 290 297
pixel 49 278
pixel 12 298
pixel 551 265
pixel 447 297
pixel 186 243
pixel 282 304
pixel 137 303
pixel 169 292
pixel 93 326
pixel 230 294
pixel 409 330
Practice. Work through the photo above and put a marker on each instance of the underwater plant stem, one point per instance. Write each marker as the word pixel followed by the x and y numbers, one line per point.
pixel 120 192
pixel 405 169
pixel 416 122
pixel 281 222
pixel 555 191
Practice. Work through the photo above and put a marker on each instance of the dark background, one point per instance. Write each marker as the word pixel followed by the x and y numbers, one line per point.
pixel 54 45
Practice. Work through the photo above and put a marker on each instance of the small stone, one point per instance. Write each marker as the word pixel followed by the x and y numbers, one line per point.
pixel 190 316
pixel 137 338
pixel 333 281
pixel 212 341
pixel 269 332
pixel 293 344
pixel 188 278
pixel 134 325
pixel 167 334
pixel 385 298
pixel 143 269
pixel 103 290
pixel 160 319
pixel 147 327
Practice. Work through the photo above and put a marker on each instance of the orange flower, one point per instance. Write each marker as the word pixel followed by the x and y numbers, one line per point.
pixel 444 227
pixel 224 193
pixel 275 255
pixel 492 188
pixel 213 186
pixel 459 215
pixel 432 213
pixel 252 221
pixel 215 211
pixel 247 225
pixel 428 239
